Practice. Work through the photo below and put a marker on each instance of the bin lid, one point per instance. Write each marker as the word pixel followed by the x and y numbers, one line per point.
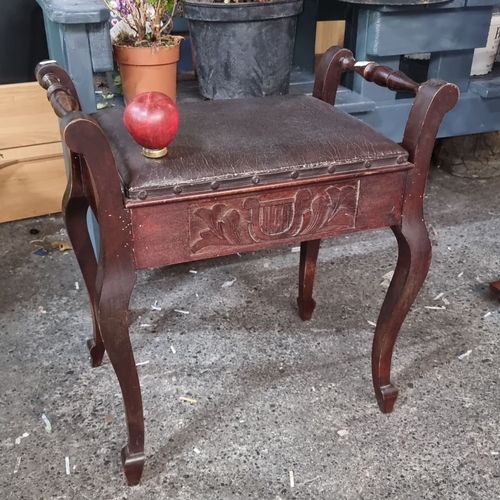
pixel 396 3
pixel 75 11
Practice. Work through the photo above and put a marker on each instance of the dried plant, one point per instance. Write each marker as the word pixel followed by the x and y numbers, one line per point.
pixel 150 20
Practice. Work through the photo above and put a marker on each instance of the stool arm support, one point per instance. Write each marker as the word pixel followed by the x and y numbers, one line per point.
pixel 84 136
pixel 329 72
pixel 433 100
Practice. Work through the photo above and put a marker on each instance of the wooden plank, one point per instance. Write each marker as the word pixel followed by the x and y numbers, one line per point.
pixel 433 30
pixel 27 117
pixel 328 34
pixel 31 153
pixel 30 187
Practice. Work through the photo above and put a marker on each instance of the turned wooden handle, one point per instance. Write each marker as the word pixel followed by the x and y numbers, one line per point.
pixel 52 78
pixel 382 75
pixel 337 61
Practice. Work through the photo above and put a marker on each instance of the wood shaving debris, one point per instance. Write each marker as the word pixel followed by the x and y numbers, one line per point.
pixel 439 296
pixel 446 302
pixel 77 285
pixel 465 355
pixel 172 348
pixel 311 480
pixel 142 363
pixel 62 246
pixel 18 439
pixel 192 271
pixel 388 276
pixel 180 311
pixel 155 306
pixel 292 479
pixel 295 249
pixel 371 322
pixel 487 314
pixel 68 469
pixel 109 419
pixel 188 400
pixel 196 450
pixel 460 274
pixel 48 425
pixel 493 453
pixel 435 308
pixel 18 463
pixel 343 432
pixel 228 283
pixel 313 389
pixel 42 310
pixel 386 279
pixel 145 325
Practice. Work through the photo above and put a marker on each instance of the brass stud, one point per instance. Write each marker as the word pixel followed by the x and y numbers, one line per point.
pixel 214 185
pixel 368 164
pixel 255 179
pixel 331 169
pixel 142 195
pixel 401 159
pixel 294 174
pixel 177 190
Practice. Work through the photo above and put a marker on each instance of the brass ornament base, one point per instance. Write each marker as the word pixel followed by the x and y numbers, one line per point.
pixel 154 153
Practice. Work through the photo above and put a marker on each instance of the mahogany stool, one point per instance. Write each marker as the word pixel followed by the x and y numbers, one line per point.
pixel 244 175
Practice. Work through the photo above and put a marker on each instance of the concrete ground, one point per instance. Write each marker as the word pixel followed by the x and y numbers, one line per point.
pixel 272 392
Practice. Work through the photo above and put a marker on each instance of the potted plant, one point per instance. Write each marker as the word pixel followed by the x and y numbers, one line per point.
pixel 144 48
pixel 243 48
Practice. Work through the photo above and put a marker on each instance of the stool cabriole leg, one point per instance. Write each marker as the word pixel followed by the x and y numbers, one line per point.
pixel 116 290
pixel 433 100
pixel 115 275
pixel 307 270
pixel 75 206
pixel 413 264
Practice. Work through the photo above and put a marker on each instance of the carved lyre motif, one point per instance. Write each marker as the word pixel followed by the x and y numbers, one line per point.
pixel 254 219
pixel 278 218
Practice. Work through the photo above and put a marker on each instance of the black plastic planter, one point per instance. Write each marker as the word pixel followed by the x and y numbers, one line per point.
pixel 243 50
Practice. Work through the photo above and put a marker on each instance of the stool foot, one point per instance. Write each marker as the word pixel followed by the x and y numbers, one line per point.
pixel 96 352
pixel 133 465
pixel 306 308
pixel 386 397
pixel 495 288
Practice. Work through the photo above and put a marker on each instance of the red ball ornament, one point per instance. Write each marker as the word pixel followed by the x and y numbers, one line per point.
pixel 152 120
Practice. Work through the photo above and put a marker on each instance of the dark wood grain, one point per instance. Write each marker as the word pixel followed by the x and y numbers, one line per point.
pixel 246 175
pixel 379 204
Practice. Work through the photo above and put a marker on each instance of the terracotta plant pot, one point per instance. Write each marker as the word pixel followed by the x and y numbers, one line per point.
pixel 148 69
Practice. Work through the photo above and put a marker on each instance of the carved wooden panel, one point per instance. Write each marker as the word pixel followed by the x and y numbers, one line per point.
pixel 315 210
pixel 189 230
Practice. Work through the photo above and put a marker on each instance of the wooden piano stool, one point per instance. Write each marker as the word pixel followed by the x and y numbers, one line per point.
pixel 244 175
